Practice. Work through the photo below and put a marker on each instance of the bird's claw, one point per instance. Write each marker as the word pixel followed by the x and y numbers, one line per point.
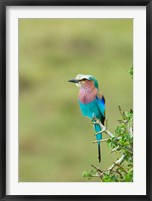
pixel 95 120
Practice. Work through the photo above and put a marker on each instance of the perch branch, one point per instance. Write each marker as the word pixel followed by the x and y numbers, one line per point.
pixel 119 161
pixel 116 163
pixel 103 128
pixel 96 141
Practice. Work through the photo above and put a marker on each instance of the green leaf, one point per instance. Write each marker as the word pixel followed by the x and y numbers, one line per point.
pixel 131 72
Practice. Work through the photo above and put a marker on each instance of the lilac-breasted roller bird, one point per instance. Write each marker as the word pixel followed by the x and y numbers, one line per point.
pixel 91 102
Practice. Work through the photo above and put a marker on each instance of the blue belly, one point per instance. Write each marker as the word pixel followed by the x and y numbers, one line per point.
pixel 92 110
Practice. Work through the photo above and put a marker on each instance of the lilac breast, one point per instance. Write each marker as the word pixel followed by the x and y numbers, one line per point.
pixel 86 96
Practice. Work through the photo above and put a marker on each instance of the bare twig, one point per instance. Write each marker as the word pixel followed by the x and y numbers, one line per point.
pixel 130 170
pixel 121 167
pixel 120 110
pixel 100 172
pixel 98 133
pixel 128 149
pixel 103 128
pixel 116 163
pixel 98 169
pixel 130 130
pixel 119 161
pixel 115 149
pixel 96 141
pixel 117 171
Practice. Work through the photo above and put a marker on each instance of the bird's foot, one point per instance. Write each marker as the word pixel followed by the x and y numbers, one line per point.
pixel 95 120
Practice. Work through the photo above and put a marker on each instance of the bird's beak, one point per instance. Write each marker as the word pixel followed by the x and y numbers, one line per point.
pixel 74 81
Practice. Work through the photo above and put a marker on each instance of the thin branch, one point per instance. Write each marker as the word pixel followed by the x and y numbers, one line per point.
pixel 120 110
pixel 121 167
pixel 115 149
pixel 117 171
pixel 98 133
pixel 130 130
pixel 103 128
pixel 116 163
pixel 98 169
pixel 95 175
pixel 128 149
pixel 119 161
pixel 130 170
pixel 104 140
pixel 100 172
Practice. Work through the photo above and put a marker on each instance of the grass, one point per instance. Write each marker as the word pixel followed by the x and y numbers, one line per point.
pixel 55 140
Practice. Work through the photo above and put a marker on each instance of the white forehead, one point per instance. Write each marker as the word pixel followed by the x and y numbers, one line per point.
pixel 81 76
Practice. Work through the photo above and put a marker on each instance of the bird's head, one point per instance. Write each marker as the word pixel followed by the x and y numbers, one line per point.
pixel 82 80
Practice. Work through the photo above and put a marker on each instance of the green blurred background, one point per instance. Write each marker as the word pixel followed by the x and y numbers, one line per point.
pixel 55 140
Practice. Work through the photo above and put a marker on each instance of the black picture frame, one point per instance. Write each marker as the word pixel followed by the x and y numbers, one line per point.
pixel 3 98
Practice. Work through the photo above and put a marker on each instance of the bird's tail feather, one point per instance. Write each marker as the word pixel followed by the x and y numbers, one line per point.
pixel 98 137
pixel 99 152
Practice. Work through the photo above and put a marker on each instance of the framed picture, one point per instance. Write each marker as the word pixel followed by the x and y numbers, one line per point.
pixel 60 63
